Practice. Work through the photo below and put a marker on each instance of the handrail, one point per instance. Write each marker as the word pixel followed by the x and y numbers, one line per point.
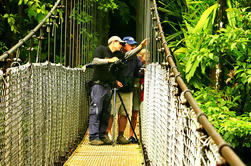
pixel 224 148
pixel 21 42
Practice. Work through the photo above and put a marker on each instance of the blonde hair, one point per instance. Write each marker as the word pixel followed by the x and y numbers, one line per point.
pixel 142 53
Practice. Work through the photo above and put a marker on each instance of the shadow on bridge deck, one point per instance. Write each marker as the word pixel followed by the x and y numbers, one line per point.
pixel 106 155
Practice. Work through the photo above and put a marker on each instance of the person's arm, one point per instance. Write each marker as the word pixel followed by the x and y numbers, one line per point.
pixel 99 61
pixel 136 50
pixel 99 58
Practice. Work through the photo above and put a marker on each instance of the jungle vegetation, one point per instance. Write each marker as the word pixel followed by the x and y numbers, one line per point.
pixel 211 43
pixel 209 39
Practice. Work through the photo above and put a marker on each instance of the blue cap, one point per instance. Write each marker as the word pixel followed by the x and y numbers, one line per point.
pixel 130 40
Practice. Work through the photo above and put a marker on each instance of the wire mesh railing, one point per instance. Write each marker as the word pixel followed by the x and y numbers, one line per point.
pixel 170 131
pixel 174 129
pixel 43 112
pixel 43 106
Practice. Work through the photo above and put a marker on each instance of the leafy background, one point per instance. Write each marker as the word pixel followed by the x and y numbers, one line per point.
pixel 203 38
pixel 210 44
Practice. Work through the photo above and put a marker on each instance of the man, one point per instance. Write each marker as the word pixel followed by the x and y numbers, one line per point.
pixel 102 82
pixel 137 95
pixel 127 72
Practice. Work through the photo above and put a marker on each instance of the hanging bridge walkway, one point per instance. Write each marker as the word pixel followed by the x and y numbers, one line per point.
pixel 44 105
pixel 123 155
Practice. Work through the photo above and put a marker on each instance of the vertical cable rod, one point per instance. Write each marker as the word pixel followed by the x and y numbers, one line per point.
pixel 61 35
pixel 49 39
pixel 81 34
pixel 39 45
pixel 70 37
pixel 84 32
pixel 54 35
pixel 73 34
pixel 65 33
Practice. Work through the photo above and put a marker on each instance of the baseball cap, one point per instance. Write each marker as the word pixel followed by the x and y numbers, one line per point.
pixel 115 38
pixel 130 40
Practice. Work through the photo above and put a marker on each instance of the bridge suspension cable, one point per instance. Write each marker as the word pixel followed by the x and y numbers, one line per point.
pixel 44 106
pixel 171 117
pixel 69 23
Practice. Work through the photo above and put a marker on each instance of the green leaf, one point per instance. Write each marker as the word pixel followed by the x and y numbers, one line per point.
pixel 211 56
pixel 229 3
pixel 188 65
pixel 5 15
pixel 249 80
pixel 233 45
pixel 203 69
pixel 180 50
pixel 203 22
pixel 39 17
pixel 20 2
pixel 170 37
pixel 192 71
pixel 169 12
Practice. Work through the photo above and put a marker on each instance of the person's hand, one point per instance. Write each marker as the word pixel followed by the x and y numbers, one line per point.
pixel 143 43
pixel 113 59
pixel 84 68
pixel 119 84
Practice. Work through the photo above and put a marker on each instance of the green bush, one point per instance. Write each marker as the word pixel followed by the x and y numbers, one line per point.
pixel 218 106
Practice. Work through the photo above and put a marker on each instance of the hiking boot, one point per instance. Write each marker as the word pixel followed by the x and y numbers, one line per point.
pixel 122 140
pixel 106 140
pixel 133 140
pixel 96 142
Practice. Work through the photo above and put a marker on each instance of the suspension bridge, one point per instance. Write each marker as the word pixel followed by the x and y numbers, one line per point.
pixel 44 104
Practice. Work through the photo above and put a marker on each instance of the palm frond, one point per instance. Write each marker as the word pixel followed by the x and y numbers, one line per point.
pixel 170 37
pixel 169 12
pixel 205 17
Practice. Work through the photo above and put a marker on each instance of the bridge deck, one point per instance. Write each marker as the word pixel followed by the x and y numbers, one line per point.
pixel 118 155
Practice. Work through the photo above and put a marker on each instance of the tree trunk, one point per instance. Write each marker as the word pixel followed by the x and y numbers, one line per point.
pixel 216 74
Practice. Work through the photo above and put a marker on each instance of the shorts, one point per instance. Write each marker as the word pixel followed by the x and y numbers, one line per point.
pixel 127 100
pixel 136 99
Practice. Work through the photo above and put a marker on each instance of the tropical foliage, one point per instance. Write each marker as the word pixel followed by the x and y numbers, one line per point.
pixel 205 41
pixel 18 17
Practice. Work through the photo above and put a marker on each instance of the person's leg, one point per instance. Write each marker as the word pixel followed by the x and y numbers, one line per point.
pixel 134 121
pixel 122 120
pixel 104 118
pixel 110 125
pixel 105 115
pixel 127 100
pixel 94 112
pixel 118 118
pixel 135 109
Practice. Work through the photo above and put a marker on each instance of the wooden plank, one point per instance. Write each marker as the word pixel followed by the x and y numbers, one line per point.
pixel 120 155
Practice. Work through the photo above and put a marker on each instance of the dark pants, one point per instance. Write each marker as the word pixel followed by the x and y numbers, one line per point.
pixel 99 111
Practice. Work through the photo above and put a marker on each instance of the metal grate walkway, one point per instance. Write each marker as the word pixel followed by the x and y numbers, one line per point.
pixel 119 155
